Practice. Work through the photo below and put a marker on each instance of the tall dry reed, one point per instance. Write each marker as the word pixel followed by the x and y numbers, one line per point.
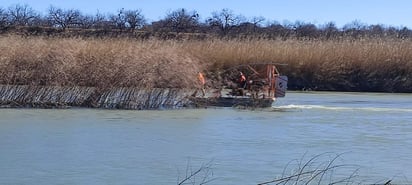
pixel 361 65
pixel 364 65
pixel 95 62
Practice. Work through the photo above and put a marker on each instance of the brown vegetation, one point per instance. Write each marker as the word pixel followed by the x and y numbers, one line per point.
pixel 95 62
pixel 68 48
pixel 360 65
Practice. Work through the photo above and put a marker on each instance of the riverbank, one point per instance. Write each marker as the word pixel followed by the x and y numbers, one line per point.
pixel 363 65
pixel 23 96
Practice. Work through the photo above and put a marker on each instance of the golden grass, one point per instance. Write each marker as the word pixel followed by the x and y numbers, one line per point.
pixel 94 62
pixel 371 64
pixel 361 65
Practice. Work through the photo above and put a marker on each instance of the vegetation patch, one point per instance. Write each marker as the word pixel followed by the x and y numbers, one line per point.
pixel 379 65
pixel 66 47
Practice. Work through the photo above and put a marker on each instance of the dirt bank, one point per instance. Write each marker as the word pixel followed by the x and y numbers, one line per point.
pixel 24 96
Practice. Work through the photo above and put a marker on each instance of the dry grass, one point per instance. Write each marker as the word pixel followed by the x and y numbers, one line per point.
pixel 100 63
pixel 365 65
pixel 378 65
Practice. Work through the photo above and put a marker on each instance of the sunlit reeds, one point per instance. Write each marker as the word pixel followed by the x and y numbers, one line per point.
pixel 95 62
pixel 368 64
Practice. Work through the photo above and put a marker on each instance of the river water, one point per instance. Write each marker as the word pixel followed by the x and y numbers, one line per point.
pixel 369 133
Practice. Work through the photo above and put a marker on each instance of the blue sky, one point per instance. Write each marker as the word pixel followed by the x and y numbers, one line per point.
pixel 388 12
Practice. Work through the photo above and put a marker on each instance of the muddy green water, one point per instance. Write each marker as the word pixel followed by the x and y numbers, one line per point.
pixel 373 132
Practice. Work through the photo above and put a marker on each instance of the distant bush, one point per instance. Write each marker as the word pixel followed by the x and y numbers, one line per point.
pixel 222 23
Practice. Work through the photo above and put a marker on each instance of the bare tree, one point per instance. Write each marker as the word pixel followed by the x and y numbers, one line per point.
pixel 100 21
pixel 64 18
pixel 134 19
pixel 252 26
pixel 330 30
pixel 40 21
pixel 181 20
pixel 97 21
pixel 86 21
pixel 119 20
pixel 257 21
pixel 225 20
pixel 392 31
pixel 3 18
pixel 404 33
pixel 275 30
pixel 354 29
pixel 376 30
pixel 21 15
pixel 307 30
pixel 356 25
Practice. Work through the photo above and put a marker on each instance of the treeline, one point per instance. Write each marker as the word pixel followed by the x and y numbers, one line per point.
pixel 224 23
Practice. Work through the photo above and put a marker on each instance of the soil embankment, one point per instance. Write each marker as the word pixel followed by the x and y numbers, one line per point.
pixel 24 96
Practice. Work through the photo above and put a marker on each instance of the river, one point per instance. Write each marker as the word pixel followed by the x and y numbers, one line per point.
pixel 369 133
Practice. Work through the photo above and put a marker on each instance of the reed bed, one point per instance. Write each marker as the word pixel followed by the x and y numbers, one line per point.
pixel 347 65
pixel 102 63
pixel 29 96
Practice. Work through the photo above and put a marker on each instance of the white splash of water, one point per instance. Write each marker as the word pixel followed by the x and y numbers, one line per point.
pixel 303 107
